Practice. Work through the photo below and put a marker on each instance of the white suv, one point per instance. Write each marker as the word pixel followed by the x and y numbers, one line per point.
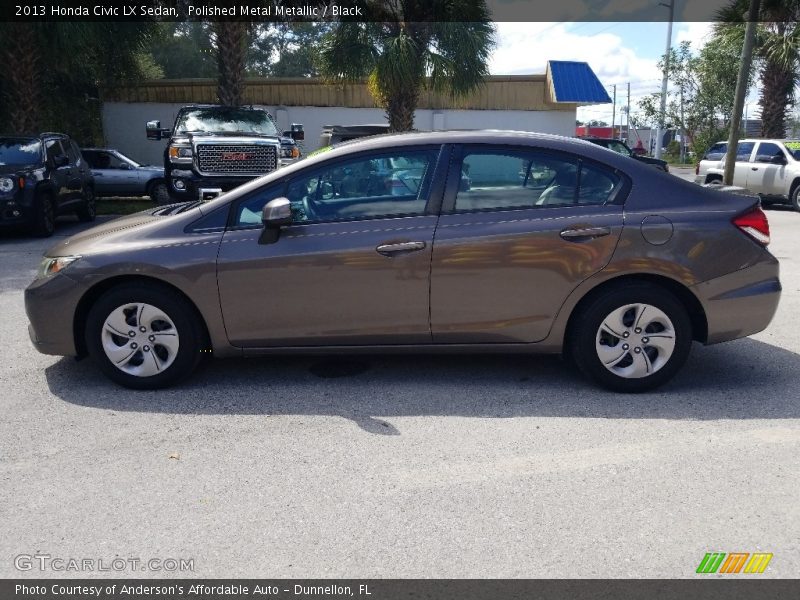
pixel 770 168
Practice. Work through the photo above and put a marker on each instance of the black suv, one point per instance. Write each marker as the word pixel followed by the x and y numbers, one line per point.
pixel 216 148
pixel 42 176
pixel 622 148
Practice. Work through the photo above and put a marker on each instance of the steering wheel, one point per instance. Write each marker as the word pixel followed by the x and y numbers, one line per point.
pixel 310 207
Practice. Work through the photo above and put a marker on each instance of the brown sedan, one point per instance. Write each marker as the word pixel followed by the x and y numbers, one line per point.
pixel 450 241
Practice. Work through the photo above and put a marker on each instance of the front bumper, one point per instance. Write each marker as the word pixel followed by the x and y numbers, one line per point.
pixel 741 303
pixel 51 304
pixel 193 182
pixel 16 209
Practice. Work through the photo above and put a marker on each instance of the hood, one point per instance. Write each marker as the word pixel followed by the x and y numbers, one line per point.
pixel 235 138
pixel 139 225
pixel 16 169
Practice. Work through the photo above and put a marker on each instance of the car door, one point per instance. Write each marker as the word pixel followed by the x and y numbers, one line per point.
pixel 744 154
pixel 510 248
pixel 766 176
pixel 353 268
pixel 59 174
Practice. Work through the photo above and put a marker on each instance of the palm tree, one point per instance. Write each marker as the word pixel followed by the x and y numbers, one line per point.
pixel 777 53
pixel 77 59
pixel 231 42
pixel 410 45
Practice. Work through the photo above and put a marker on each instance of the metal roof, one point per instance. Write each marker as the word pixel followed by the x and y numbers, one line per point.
pixel 575 83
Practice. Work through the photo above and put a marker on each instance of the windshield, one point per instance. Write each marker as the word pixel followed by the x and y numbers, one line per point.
pixel 16 151
pixel 226 120
pixel 619 147
pixel 793 146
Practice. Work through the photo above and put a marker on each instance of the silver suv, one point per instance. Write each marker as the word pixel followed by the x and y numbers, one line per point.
pixel 769 168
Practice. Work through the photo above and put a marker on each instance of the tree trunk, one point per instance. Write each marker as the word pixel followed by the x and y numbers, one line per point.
pixel 23 97
pixel 776 95
pixel 231 50
pixel 400 107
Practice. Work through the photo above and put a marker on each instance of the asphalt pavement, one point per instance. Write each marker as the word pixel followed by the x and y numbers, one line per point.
pixel 400 466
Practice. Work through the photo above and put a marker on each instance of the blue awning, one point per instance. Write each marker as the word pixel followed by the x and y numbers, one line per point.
pixel 574 82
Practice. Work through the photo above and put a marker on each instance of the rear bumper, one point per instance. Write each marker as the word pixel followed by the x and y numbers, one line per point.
pixel 741 303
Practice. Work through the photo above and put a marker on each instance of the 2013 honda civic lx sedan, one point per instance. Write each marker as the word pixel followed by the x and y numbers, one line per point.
pixel 556 246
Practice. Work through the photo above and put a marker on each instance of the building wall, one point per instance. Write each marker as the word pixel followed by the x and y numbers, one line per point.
pixel 124 122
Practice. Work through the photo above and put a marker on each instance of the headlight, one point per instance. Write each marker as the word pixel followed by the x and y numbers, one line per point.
pixel 6 184
pixel 180 152
pixel 51 266
pixel 290 151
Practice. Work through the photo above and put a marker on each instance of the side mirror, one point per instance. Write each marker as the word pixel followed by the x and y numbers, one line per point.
pixel 124 166
pixel 155 131
pixel 60 160
pixel 276 214
pixel 778 159
pixel 295 132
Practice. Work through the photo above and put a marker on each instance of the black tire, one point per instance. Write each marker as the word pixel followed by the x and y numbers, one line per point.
pixel 189 329
pixel 794 197
pixel 159 192
pixel 44 215
pixel 583 336
pixel 88 212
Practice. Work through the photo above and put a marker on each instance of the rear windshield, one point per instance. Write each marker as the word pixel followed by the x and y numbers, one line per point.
pixel 717 151
pixel 793 146
pixel 16 151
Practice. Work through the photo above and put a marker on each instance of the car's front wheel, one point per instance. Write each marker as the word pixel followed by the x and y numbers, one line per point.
pixel 632 338
pixel 795 197
pixel 44 215
pixel 88 212
pixel 144 336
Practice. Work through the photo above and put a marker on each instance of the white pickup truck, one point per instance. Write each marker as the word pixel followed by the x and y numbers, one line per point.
pixel 769 168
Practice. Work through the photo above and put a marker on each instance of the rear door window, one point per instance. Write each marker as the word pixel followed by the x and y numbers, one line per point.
pixel 716 152
pixel 744 150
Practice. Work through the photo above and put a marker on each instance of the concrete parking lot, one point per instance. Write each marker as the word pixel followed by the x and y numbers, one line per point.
pixel 412 466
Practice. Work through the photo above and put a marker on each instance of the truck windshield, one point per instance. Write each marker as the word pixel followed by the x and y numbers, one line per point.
pixel 793 146
pixel 226 120
pixel 17 151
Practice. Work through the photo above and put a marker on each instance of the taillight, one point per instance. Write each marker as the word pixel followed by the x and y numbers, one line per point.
pixel 754 223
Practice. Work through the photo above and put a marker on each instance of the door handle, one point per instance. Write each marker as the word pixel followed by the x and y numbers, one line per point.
pixel 399 248
pixel 754 168
pixel 584 232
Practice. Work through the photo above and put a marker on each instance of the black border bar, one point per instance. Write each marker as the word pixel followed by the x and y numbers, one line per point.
pixel 400 589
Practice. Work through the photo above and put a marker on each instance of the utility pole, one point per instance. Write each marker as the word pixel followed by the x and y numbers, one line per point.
pixel 628 118
pixel 614 111
pixel 741 91
pixel 664 80
pixel 683 132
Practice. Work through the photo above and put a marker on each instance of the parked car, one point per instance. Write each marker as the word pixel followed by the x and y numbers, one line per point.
pixel 118 175
pixel 215 148
pixel 42 176
pixel 333 135
pixel 622 148
pixel 599 260
pixel 769 168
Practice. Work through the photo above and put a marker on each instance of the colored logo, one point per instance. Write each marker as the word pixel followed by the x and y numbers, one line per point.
pixel 235 156
pixel 735 562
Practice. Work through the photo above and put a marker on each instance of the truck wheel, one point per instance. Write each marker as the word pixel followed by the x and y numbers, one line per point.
pixel 795 196
pixel 44 215
pixel 159 193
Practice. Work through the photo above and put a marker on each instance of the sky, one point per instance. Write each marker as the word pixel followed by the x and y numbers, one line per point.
pixel 618 53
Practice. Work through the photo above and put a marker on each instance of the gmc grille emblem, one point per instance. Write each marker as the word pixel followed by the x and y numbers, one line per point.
pixel 235 156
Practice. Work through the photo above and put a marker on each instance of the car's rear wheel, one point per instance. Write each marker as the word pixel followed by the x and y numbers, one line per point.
pixel 144 336
pixel 88 212
pixel 159 192
pixel 44 215
pixel 632 338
